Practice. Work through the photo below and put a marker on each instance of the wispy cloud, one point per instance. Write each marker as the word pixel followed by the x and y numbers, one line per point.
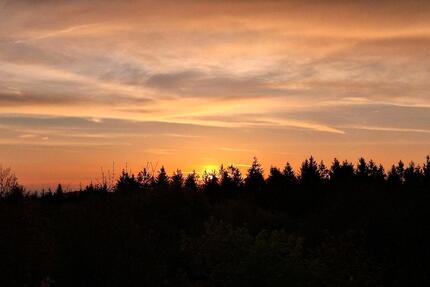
pixel 232 77
pixel 231 149
pixel 390 129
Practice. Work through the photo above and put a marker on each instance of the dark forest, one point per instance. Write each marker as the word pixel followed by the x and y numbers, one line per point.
pixel 347 224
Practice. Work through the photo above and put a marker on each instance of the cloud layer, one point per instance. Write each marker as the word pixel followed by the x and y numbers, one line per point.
pixel 318 78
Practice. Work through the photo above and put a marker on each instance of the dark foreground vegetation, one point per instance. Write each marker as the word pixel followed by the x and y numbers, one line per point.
pixel 347 225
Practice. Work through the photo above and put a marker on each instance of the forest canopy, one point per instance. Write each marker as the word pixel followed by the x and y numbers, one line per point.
pixel 347 224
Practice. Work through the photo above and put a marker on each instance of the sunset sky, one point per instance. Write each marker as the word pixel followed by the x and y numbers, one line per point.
pixel 193 84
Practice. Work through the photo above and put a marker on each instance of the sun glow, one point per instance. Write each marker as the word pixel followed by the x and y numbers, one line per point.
pixel 209 168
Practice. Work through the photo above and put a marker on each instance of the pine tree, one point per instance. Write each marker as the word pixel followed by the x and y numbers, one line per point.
pixel 393 176
pixel 59 191
pixel 362 172
pixel 413 175
pixel 162 180
pixel 310 172
pixel 341 172
pixel 276 180
pixel 236 176
pixel 127 183
pixel 190 183
pixel 254 180
pixel 177 180
pixel 210 181
pixel 323 172
pixel 289 175
pixel 400 169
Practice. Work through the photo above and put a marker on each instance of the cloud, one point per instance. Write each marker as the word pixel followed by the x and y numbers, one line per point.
pixel 390 129
pixel 210 74
pixel 13 99
pixel 27 136
pixel 96 120
pixel 264 121
pixel 33 126
pixel 230 149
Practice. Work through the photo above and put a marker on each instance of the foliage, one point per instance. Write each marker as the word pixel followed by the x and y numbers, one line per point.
pixel 346 225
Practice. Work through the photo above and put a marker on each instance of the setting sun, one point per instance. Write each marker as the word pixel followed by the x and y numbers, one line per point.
pixel 209 168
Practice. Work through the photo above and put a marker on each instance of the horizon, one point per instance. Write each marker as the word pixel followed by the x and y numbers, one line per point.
pixel 112 175
pixel 197 84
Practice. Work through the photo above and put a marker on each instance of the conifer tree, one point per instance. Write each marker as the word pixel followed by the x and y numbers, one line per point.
pixel 254 180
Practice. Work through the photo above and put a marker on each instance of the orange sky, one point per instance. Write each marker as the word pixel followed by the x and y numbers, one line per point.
pixel 193 84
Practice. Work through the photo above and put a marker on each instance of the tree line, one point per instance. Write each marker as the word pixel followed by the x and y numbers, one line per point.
pixel 343 225
pixel 311 175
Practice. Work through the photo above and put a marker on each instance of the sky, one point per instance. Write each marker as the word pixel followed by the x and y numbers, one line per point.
pixel 194 84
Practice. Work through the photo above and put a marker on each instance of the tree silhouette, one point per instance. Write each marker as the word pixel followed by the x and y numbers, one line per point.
pixel 413 175
pixel 362 172
pixel 59 191
pixel 127 183
pixel 375 173
pixel 393 177
pixel 400 169
pixel 210 181
pixel 289 175
pixel 162 180
pixel 230 178
pixel 310 173
pixel 190 183
pixel 333 228
pixel 8 181
pixel 276 180
pixel 324 173
pixel 145 179
pixel 16 193
pixel 254 180
pixel 177 180
pixel 396 176
pixel 341 173
pixel 336 171
pixel 225 181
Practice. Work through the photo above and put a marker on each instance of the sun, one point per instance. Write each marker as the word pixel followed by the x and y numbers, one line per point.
pixel 209 168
